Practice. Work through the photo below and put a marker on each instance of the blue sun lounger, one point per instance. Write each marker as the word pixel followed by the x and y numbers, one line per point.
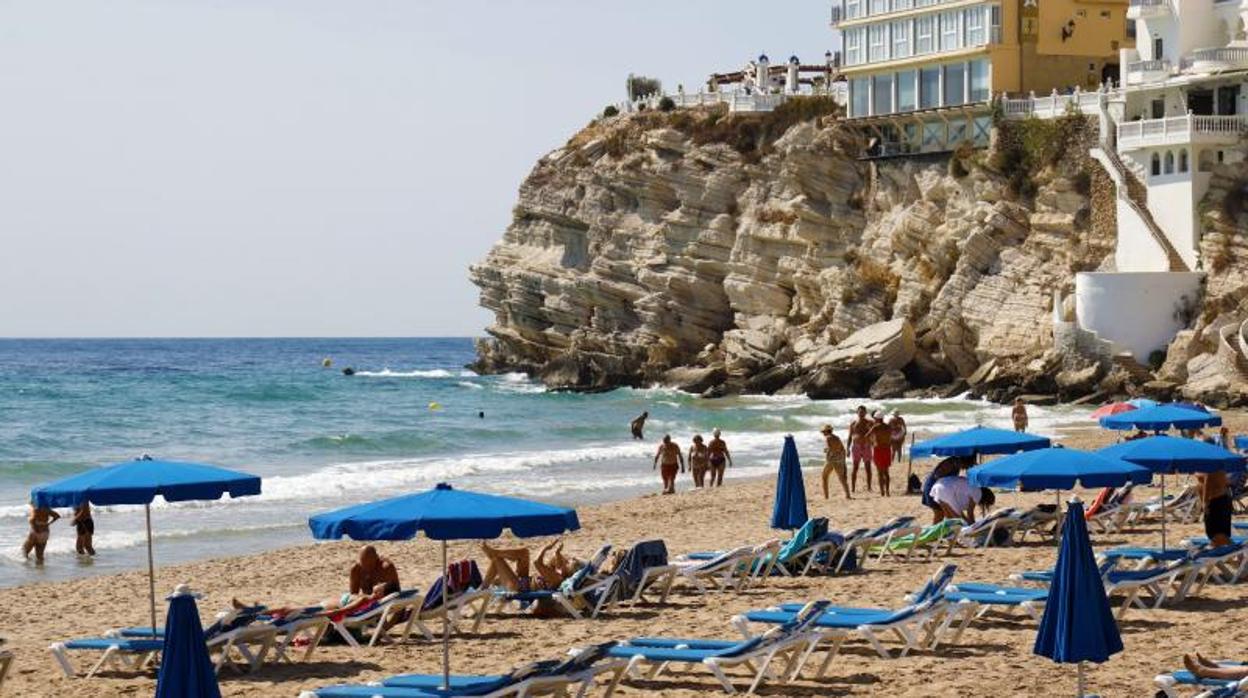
pixel 973 600
pixel 1170 684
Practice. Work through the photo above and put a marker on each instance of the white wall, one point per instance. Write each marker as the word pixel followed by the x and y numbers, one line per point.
pixel 1136 249
pixel 1137 311
pixel 1171 200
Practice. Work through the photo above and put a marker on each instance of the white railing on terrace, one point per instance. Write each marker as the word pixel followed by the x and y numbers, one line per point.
pixel 1179 129
pixel 1153 66
pixel 1057 105
pixel 737 101
pixel 1233 55
pixel 1149 3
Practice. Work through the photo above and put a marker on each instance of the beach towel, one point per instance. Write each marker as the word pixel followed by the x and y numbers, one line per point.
pixel 464 575
pixel 642 556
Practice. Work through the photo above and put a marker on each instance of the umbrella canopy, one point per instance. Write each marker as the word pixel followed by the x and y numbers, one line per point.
pixel 1241 442
pixel 444 513
pixel 1113 408
pixel 1161 418
pixel 1142 402
pixel 1057 469
pixel 979 440
pixel 1169 454
pixel 1078 625
pixel 186 671
pixel 789 511
pixel 140 481
pixel 1191 406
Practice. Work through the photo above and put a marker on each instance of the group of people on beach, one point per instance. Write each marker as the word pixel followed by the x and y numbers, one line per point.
pixel 41 519
pixel 707 459
pixel 873 441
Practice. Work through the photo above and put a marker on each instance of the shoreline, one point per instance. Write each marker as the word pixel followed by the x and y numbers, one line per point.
pixel 40 613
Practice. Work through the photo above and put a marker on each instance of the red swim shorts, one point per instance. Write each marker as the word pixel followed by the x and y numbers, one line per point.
pixel 883 456
pixel 669 471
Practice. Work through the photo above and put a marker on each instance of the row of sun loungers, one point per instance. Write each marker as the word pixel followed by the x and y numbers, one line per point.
pixel 1173 683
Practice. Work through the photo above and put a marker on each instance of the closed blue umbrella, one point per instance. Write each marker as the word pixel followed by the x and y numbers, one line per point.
pixel 1167 454
pixel 789 511
pixel 1057 469
pixel 979 441
pixel 1078 625
pixel 139 482
pixel 1161 418
pixel 444 513
pixel 186 670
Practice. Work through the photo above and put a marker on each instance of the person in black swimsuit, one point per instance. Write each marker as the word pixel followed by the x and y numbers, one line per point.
pixel 85 526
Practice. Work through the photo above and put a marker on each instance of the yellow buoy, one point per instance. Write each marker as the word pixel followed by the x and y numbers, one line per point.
pixel 327 362
pixel 435 406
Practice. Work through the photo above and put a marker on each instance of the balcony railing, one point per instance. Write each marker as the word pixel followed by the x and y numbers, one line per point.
pixel 1181 129
pixel 1147 71
pixel 1216 58
pixel 1148 8
pixel 1055 105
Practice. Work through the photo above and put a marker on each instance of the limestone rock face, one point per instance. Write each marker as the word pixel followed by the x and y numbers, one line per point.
pixel 654 241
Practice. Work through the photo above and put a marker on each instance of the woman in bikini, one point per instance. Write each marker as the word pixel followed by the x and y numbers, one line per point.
pixel 511 569
pixel 699 460
pixel 718 458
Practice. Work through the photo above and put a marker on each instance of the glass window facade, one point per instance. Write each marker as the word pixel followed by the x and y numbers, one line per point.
pixel 951 30
pixel 929 88
pixel 973 20
pixel 859 98
pixel 955 84
pixel 877 42
pixel 882 95
pixel 924 34
pixel 907 91
pixel 878 7
pixel 981 80
pixel 854 54
pixel 853 9
pixel 901 39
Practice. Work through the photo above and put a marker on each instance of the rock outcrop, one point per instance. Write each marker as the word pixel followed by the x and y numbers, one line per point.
pixel 761 253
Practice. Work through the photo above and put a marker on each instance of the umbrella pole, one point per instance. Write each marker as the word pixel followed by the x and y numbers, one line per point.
pixel 151 566
pixel 1163 511
pixel 1081 683
pixel 446 627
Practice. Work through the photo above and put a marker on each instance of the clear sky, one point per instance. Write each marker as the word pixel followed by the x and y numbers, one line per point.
pixel 308 167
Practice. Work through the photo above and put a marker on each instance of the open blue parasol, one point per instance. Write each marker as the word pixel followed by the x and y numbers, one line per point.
pixel 1162 418
pixel 444 513
pixel 1057 469
pixel 979 441
pixel 789 511
pixel 186 670
pixel 1078 625
pixel 140 481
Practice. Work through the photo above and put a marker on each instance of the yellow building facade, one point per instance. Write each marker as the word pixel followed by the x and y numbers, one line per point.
pixel 904 56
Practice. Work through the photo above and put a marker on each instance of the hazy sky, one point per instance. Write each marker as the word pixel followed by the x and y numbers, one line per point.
pixel 308 167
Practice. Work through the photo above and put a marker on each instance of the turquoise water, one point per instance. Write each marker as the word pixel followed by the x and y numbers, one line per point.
pixel 322 440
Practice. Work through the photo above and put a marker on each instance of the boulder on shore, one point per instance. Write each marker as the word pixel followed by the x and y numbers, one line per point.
pixel 695 379
pixel 833 384
pixel 892 384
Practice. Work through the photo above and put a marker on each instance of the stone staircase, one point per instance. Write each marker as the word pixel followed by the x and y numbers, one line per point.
pixel 1135 195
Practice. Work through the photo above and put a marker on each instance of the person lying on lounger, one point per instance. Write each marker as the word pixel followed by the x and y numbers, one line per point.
pixel 1205 669
pixel 516 570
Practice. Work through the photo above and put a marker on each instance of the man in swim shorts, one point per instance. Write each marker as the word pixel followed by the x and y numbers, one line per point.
pixel 40 528
pixel 881 439
pixel 860 447
pixel 699 460
pixel 373 574
pixel 671 457
pixel 833 460
pixel 719 458
pixel 1218 508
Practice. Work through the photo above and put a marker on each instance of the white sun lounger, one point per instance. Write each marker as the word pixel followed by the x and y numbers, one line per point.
pixel 374 621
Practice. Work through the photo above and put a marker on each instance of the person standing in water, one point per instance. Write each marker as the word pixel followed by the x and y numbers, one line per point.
pixel 638 425
pixel 1019 415
pixel 833 460
pixel 860 447
pixel 671 457
pixel 84 525
pixel 40 520
pixel 719 457
pixel 881 438
pixel 897 429
pixel 699 460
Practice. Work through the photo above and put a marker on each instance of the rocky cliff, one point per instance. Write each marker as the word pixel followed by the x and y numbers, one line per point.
pixel 727 253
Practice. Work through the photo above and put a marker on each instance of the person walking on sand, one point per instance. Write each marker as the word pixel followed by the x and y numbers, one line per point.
pixel 897 430
pixel 1019 414
pixel 84 525
pixel 638 425
pixel 881 439
pixel 833 460
pixel 719 458
pixel 40 520
pixel 699 460
pixel 671 457
pixel 860 447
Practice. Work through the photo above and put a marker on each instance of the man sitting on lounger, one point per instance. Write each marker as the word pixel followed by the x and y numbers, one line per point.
pixel 373 573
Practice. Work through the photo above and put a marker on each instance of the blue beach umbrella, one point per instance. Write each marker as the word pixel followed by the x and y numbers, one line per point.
pixel 1078 625
pixel 1057 469
pixel 1142 402
pixel 186 670
pixel 789 511
pixel 979 441
pixel 1168 454
pixel 444 513
pixel 1162 418
pixel 1241 442
pixel 139 482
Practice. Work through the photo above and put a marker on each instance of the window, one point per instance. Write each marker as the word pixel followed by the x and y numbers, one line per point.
pixel 1158 45
pixel 950 30
pixel 924 34
pixel 858 98
pixel 973 18
pixel 877 42
pixel 902 4
pixel 929 88
pixel 981 85
pixel 878 7
pixel 1183 160
pixel 1155 167
pixel 853 8
pixel 907 95
pixel 882 94
pixel 853 46
pixel 955 84
pixel 1169 162
pixel 901 39
pixel 994 24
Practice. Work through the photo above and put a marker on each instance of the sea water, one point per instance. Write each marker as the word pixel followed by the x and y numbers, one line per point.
pixel 412 416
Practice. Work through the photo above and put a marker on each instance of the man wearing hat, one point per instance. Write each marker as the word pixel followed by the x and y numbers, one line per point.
pixel 833 460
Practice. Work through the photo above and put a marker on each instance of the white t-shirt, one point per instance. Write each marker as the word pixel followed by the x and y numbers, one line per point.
pixel 955 491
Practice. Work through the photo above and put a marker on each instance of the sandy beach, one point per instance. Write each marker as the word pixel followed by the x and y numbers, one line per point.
pixel 993 658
